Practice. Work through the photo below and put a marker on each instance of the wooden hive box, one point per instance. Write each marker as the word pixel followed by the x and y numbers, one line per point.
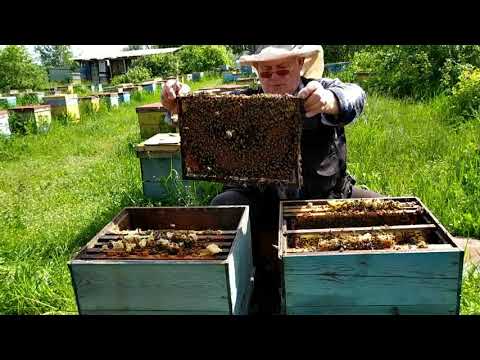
pixel 158 156
pixel 64 104
pixel 8 101
pixel 110 99
pixel 67 89
pixel 134 284
pixel 124 97
pixel 4 125
pixel 89 104
pixel 329 277
pixel 150 86
pixel 151 120
pixel 35 118
pixel 241 139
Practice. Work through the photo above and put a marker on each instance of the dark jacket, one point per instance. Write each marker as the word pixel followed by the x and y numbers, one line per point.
pixel 324 145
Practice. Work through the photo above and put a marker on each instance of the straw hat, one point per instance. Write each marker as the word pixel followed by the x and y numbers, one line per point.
pixel 313 55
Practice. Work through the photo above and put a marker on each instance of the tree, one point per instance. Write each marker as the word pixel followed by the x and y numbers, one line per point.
pixel 134 47
pixel 55 55
pixel 18 71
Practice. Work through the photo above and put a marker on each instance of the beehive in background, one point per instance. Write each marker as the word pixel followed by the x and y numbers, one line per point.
pixel 110 99
pixel 158 156
pixel 124 97
pixel 34 118
pixel 4 125
pixel 8 101
pixel 150 86
pixel 151 120
pixel 89 103
pixel 64 104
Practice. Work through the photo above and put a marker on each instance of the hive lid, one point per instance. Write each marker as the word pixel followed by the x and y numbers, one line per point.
pixel 31 108
pixel 151 107
pixel 163 142
pixel 57 96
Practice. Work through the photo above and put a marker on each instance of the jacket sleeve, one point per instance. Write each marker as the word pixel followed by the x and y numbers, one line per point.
pixel 351 100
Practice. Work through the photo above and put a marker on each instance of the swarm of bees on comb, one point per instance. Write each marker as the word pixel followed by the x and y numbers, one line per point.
pixel 361 212
pixel 352 241
pixel 241 139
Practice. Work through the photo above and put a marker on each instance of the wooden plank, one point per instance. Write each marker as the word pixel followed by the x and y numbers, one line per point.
pixel 154 287
pixel 431 309
pixel 431 247
pixel 150 312
pixel 406 264
pixel 400 279
pixel 240 266
pixel 364 229
pixel 307 290
pixel 333 215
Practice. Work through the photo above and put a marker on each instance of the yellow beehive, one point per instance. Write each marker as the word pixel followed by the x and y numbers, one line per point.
pixel 64 104
pixel 89 103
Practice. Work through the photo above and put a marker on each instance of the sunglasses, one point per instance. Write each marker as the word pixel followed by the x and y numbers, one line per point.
pixel 268 74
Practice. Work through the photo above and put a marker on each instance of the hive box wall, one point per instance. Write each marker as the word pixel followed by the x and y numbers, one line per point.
pixel 169 286
pixel 376 283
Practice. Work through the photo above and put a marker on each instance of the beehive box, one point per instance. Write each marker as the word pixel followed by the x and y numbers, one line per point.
pixel 34 118
pixel 67 89
pixel 241 139
pixel 8 101
pixel 150 86
pixel 197 76
pixel 110 99
pixel 64 104
pixel 89 104
pixel 124 97
pixel 4 125
pixel 151 120
pixel 158 156
pixel 148 281
pixel 358 256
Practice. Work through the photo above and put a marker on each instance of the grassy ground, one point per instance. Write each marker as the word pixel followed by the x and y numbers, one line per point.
pixel 58 189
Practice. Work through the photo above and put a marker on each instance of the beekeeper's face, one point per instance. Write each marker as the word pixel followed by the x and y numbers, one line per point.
pixel 280 76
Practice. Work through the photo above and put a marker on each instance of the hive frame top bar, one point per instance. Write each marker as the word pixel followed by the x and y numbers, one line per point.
pixel 123 212
pixel 282 245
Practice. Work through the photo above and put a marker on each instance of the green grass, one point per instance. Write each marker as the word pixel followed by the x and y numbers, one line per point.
pixel 58 189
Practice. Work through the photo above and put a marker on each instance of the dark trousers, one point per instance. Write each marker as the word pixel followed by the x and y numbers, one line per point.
pixel 264 213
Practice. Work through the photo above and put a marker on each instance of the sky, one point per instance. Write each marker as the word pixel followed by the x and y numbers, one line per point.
pixel 81 49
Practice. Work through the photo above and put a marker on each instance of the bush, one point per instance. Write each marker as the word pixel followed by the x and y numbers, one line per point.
pixel 159 65
pixel 465 98
pixel 134 75
pixel 197 58
pixel 17 70
pixel 417 71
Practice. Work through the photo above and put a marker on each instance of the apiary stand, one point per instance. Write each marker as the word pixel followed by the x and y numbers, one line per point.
pixel 167 287
pixel 420 281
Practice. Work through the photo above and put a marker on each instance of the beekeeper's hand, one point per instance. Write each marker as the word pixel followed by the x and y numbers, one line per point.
pixel 318 100
pixel 170 91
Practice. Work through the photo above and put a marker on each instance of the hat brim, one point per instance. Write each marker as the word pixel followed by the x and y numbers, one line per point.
pixel 253 59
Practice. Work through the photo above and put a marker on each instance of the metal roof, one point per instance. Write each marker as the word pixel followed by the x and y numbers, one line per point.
pixel 126 54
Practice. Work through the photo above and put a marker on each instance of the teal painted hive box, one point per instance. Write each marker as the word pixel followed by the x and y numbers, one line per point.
pixel 159 158
pixel 135 283
pixel 4 125
pixel 377 261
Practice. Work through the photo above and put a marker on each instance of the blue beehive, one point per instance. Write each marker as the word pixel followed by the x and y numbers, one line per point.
pixel 336 67
pixel 9 101
pixel 124 97
pixel 246 69
pixel 149 86
pixel 228 77
pixel 196 76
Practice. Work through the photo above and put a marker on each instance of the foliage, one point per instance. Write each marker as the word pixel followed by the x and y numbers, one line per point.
pixel 18 71
pixel 160 64
pixel 55 55
pixel 134 75
pixel 197 58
